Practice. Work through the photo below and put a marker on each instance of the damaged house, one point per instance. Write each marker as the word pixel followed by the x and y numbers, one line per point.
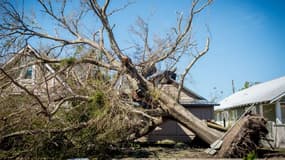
pixel 196 104
pixel 266 99
pixel 35 76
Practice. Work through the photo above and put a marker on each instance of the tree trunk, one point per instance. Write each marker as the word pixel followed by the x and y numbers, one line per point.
pixel 186 118
pixel 174 109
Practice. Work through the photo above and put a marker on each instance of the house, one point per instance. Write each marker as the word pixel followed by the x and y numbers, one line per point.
pixel 35 76
pixel 266 99
pixel 196 104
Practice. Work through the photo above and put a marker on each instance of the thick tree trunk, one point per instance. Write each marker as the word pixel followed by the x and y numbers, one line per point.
pixel 174 109
pixel 186 118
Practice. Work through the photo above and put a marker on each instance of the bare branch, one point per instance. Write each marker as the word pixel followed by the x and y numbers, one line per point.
pixel 189 66
pixel 119 9
pixel 203 6
pixel 46 83
pixel 105 6
pixel 105 22
pixel 62 20
pixel 182 35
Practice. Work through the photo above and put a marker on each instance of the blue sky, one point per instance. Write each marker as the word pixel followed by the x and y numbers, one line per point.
pixel 247 39
pixel 248 44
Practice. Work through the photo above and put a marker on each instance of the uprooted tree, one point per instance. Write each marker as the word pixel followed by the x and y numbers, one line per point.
pixel 108 94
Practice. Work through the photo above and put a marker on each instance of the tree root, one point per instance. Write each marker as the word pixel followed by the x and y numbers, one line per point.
pixel 244 137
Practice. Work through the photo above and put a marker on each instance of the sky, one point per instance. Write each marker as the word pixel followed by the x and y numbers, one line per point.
pixel 247 39
pixel 248 44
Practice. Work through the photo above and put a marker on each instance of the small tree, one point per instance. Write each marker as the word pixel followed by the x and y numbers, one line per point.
pixel 248 84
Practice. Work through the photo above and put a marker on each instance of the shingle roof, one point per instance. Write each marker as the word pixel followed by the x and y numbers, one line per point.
pixel 266 92
pixel 197 103
pixel 188 97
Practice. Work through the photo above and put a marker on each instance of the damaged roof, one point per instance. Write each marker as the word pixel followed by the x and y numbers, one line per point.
pixel 267 92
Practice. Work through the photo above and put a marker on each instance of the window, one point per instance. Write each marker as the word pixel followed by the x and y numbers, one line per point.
pixel 240 111
pixel 28 73
pixel 269 112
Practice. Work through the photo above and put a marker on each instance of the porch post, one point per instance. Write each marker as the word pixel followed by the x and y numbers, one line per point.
pixel 261 109
pixel 278 113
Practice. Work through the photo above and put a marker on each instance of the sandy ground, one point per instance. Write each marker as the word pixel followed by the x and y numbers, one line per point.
pixel 165 153
pixel 157 152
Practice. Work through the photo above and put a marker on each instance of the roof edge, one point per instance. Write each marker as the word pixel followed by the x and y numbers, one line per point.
pixel 278 97
pixel 243 105
pixel 189 90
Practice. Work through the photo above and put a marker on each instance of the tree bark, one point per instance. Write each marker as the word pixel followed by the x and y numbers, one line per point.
pixel 190 121
pixel 174 109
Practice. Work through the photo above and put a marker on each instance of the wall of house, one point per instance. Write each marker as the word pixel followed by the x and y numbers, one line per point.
pixel 36 83
pixel 202 112
pixel 170 130
pixel 228 117
pixel 175 131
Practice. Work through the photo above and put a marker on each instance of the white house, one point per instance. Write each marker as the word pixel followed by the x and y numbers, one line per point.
pixel 267 99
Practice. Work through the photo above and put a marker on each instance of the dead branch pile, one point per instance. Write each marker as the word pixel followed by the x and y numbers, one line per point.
pixel 244 137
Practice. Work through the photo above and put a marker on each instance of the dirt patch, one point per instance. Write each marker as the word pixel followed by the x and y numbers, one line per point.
pixel 163 152
pixel 179 153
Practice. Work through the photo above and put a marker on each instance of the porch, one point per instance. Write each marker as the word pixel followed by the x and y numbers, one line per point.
pixel 273 112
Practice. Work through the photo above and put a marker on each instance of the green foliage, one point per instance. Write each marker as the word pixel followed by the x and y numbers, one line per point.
pixel 20 116
pixel 55 66
pixel 68 61
pixel 98 99
pixel 56 145
pixel 250 156
pixel 95 107
pixel 248 84
pixel 109 128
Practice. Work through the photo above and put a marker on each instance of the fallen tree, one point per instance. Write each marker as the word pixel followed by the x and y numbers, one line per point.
pixel 103 62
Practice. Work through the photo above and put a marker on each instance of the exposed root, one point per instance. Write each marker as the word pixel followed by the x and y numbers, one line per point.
pixel 244 137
